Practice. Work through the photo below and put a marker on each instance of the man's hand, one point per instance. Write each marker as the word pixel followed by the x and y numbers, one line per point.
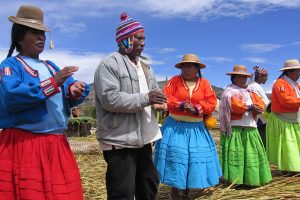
pixel 77 89
pixel 160 107
pixel 61 76
pixel 157 97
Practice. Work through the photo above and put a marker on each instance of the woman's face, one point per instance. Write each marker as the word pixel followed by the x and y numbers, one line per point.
pixel 33 43
pixel 240 80
pixel 294 75
pixel 189 71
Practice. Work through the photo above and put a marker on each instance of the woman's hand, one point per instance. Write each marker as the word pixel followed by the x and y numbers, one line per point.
pixel 188 107
pixel 77 89
pixel 61 76
pixel 255 109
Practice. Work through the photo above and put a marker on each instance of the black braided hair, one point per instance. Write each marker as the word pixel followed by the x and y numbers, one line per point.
pixel 268 109
pixel 232 78
pixel 286 72
pixel 18 32
pixel 199 73
pixel 11 50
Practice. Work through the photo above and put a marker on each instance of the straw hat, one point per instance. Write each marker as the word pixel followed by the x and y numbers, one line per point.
pixel 291 64
pixel 239 70
pixel 30 16
pixel 190 58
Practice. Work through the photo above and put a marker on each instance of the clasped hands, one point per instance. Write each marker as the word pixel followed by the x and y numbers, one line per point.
pixel 157 100
pixel 188 107
pixel 255 109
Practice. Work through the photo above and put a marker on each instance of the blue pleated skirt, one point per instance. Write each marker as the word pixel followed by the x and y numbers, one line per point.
pixel 186 156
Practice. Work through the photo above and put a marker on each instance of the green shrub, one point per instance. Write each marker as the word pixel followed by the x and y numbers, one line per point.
pixel 89 110
pixel 80 126
pixel 82 120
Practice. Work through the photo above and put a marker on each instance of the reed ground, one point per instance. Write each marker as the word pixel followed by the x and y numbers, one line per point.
pixel 92 168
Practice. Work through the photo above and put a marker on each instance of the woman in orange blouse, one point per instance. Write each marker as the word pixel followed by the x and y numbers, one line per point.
pixel 283 128
pixel 186 156
pixel 242 154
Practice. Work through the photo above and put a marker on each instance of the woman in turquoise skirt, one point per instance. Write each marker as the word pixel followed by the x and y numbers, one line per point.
pixel 242 154
pixel 283 129
pixel 186 156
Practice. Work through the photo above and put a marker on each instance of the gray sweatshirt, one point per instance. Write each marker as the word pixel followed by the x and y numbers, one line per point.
pixel 119 101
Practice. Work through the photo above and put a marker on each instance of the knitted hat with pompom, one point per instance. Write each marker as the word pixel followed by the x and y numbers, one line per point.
pixel 127 28
pixel 260 71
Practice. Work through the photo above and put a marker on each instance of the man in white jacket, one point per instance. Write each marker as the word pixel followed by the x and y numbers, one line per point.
pixel 260 77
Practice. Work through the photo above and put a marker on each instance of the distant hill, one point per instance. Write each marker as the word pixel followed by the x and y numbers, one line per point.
pixel 91 98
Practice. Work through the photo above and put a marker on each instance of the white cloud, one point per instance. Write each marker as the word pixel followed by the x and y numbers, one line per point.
pixel 268 86
pixel 180 56
pixel 3 53
pixel 152 61
pixel 156 62
pixel 66 15
pixel 218 59
pixel 260 47
pixel 69 11
pixel 160 77
pixel 71 28
pixel 166 50
pixel 279 3
pixel 86 61
pixel 296 43
pixel 256 60
pixel 211 9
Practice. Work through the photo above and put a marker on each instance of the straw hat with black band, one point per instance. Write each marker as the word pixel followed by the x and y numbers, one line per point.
pixel 190 58
pixel 291 64
pixel 239 70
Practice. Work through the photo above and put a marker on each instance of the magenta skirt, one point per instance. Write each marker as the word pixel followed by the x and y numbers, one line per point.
pixel 37 166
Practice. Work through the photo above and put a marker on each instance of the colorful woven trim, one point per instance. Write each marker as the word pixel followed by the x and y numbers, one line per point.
pixel 49 91
pixel 7 71
pixel 49 87
pixel 51 69
pixel 27 68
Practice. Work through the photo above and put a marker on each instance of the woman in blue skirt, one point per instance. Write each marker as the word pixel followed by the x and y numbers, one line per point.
pixel 186 156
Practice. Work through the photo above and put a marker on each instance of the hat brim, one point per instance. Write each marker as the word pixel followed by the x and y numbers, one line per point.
pixel 238 73
pixel 200 65
pixel 287 68
pixel 28 24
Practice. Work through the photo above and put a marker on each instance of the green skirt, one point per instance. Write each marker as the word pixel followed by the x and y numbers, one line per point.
pixel 283 143
pixel 243 157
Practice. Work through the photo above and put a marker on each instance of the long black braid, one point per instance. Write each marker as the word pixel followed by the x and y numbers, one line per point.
pixel 11 49
pixel 199 73
pixel 18 32
pixel 232 78
pixel 286 72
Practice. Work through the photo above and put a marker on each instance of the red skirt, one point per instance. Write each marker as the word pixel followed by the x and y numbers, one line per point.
pixel 37 166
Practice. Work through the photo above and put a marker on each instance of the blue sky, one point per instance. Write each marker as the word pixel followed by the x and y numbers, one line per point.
pixel 221 32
